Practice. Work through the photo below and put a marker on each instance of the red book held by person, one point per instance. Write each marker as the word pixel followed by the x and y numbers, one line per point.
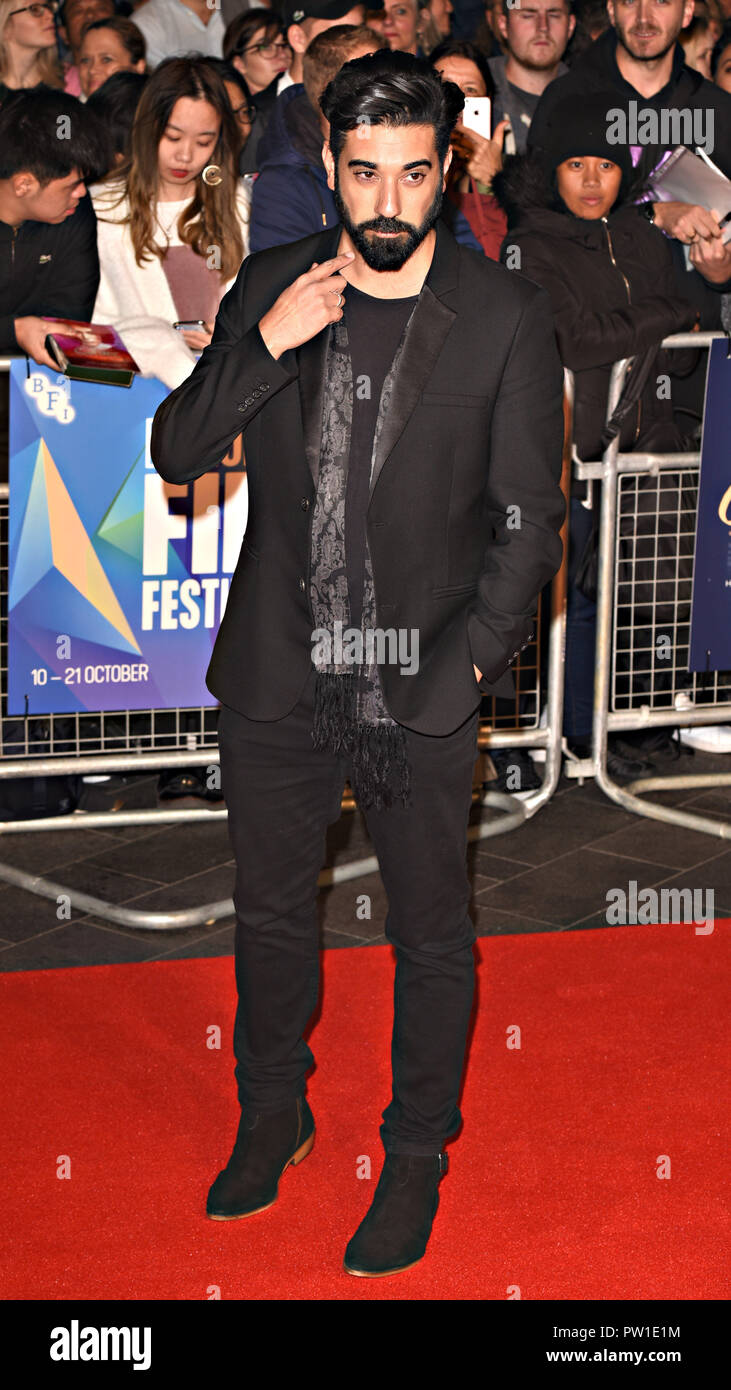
pixel 90 352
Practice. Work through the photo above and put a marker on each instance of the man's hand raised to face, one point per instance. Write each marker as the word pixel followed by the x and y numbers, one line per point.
pixel 311 302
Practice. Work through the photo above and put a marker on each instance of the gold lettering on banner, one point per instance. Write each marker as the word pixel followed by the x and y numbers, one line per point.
pixel 724 506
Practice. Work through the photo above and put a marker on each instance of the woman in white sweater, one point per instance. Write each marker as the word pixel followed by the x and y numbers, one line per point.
pixel 173 224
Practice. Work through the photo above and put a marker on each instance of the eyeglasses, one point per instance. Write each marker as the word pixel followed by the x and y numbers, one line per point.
pixel 244 113
pixel 37 10
pixel 267 50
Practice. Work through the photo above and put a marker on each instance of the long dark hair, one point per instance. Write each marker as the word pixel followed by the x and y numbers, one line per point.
pixel 211 217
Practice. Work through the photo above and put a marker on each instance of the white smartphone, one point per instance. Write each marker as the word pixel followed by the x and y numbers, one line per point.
pixel 477 115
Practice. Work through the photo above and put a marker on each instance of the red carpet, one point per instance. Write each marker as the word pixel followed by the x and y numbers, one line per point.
pixel 553 1182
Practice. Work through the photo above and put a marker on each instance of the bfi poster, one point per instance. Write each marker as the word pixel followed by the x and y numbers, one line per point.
pixel 117 581
pixel 710 628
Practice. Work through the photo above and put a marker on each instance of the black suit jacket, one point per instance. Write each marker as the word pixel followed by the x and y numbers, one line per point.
pixel 464 507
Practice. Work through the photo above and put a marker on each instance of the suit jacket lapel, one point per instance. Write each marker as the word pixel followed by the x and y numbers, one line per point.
pixel 311 359
pixel 430 323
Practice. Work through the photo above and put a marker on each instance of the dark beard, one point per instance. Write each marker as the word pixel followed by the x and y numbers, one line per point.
pixel 623 38
pixel 391 254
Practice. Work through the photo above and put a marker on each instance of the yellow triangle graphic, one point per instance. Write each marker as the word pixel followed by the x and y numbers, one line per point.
pixel 74 555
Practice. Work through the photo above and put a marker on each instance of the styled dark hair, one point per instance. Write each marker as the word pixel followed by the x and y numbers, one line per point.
pixel 721 43
pixel 115 104
pixel 131 38
pixel 390 88
pixel 48 134
pixel 462 48
pixel 242 29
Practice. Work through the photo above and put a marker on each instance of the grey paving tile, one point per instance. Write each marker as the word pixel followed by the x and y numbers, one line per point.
pixel 41 851
pixel 569 821
pixel 713 876
pixel 161 941
pixel 174 852
pixel 25 915
pixel 216 943
pixel 75 944
pixel 671 846
pixel 576 886
pixel 482 861
pixel 332 940
pixel 481 882
pixel 493 921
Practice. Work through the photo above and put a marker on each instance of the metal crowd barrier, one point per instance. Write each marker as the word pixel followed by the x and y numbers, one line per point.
pixel 132 742
pixel 636 688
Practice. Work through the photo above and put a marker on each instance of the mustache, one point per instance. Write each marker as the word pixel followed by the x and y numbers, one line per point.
pixel 385 224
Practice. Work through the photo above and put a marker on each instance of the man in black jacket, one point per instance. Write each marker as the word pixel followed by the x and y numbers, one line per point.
pixel 662 103
pixel 49 264
pixel 48 257
pixel 401 403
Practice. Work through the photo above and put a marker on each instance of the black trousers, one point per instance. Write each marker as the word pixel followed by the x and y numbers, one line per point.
pixel 281 796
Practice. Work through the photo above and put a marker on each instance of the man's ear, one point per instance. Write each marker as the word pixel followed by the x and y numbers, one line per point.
pixel 572 23
pixel 329 162
pixel 296 39
pixel 688 12
pixel 610 11
pixel 24 184
pixel 502 24
pixel 445 167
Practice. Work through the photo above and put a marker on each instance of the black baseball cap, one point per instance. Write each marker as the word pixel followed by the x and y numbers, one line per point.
pixel 294 11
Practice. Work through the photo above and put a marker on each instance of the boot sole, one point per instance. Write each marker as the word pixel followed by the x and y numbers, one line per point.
pixel 296 1158
pixel 381 1273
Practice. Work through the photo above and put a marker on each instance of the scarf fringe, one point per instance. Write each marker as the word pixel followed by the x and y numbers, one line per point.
pixel 378 751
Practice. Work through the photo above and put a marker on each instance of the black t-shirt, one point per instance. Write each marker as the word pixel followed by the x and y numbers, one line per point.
pixel 374 328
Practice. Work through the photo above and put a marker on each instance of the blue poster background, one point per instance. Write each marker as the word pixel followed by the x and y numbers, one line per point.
pixel 710 627
pixel 88 627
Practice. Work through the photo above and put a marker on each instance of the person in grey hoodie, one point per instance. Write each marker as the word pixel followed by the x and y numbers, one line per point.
pixel 535 35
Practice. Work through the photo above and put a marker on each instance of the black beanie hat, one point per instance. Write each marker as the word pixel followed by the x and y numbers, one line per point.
pixel 578 125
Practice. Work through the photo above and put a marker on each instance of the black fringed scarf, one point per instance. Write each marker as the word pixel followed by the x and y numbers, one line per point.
pixel 350 713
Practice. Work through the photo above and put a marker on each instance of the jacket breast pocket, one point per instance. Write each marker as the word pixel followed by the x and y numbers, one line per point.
pixel 455 398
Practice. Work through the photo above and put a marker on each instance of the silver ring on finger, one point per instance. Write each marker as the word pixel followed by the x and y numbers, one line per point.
pixel 341 301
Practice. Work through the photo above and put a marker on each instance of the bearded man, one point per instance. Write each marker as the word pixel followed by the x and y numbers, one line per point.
pixel 401 404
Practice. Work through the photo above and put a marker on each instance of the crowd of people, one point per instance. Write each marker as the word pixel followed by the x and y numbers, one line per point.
pixel 146 149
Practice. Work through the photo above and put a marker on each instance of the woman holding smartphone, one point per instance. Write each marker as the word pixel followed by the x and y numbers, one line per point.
pixel 173 221
pixel 476 157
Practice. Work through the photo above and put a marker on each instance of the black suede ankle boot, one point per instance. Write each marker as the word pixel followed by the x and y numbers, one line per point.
pixel 393 1234
pixel 266 1143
